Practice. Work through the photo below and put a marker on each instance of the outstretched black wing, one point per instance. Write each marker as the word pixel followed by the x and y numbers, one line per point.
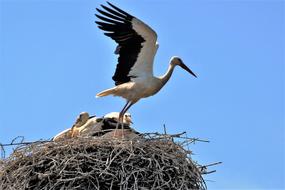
pixel 118 25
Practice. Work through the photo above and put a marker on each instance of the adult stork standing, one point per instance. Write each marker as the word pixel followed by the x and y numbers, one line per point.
pixel 136 48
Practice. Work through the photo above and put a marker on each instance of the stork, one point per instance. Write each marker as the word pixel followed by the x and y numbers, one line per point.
pixel 95 125
pixel 127 119
pixel 137 46
pixel 81 122
pixel 76 128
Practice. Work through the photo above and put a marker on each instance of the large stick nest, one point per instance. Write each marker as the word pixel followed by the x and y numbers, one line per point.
pixel 150 162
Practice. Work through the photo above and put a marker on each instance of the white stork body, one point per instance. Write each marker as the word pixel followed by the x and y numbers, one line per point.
pixel 137 46
pixel 66 134
pixel 140 88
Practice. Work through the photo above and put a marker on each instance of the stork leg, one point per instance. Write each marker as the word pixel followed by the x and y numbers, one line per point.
pixel 121 116
pixel 128 107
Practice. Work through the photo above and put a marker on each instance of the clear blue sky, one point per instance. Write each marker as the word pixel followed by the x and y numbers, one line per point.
pixel 53 60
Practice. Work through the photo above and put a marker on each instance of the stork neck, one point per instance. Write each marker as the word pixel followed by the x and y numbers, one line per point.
pixel 164 78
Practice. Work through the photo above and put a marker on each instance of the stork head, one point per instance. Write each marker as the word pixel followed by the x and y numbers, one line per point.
pixel 177 61
pixel 83 116
pixel 81 120
pixel 115 115
pixel 128 118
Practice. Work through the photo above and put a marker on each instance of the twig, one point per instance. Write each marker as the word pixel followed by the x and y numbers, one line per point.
pixel 205 172
pixel 213 164
pixel 204 168
pixel 25 143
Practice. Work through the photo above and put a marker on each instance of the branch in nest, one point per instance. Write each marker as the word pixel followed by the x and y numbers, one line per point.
pixel 93 163
pixel 204 168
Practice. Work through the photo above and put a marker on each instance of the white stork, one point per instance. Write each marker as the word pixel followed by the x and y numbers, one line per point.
pixel 75 129
pixel 127 119
pixel 82 121
pixel 137 47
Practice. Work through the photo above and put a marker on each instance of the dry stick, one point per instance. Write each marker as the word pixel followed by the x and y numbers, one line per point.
pixel 178 135
pixel 2 146
pixel 25 143
pixel 205 173
pixel 204 168
pixel 213 164
pixel 18 137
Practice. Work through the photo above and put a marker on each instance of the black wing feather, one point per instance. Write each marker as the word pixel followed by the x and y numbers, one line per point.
pixel 118 26
pixel 110 15
pixel 118 9
pixel 115 12
pixel 108 20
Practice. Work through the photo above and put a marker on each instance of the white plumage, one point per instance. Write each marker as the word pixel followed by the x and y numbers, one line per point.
pixel 86 125
pixel 65 134
pixel 90 127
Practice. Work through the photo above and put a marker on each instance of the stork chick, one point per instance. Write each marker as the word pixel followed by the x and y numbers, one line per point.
pixel 74 130
pixel 83 121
